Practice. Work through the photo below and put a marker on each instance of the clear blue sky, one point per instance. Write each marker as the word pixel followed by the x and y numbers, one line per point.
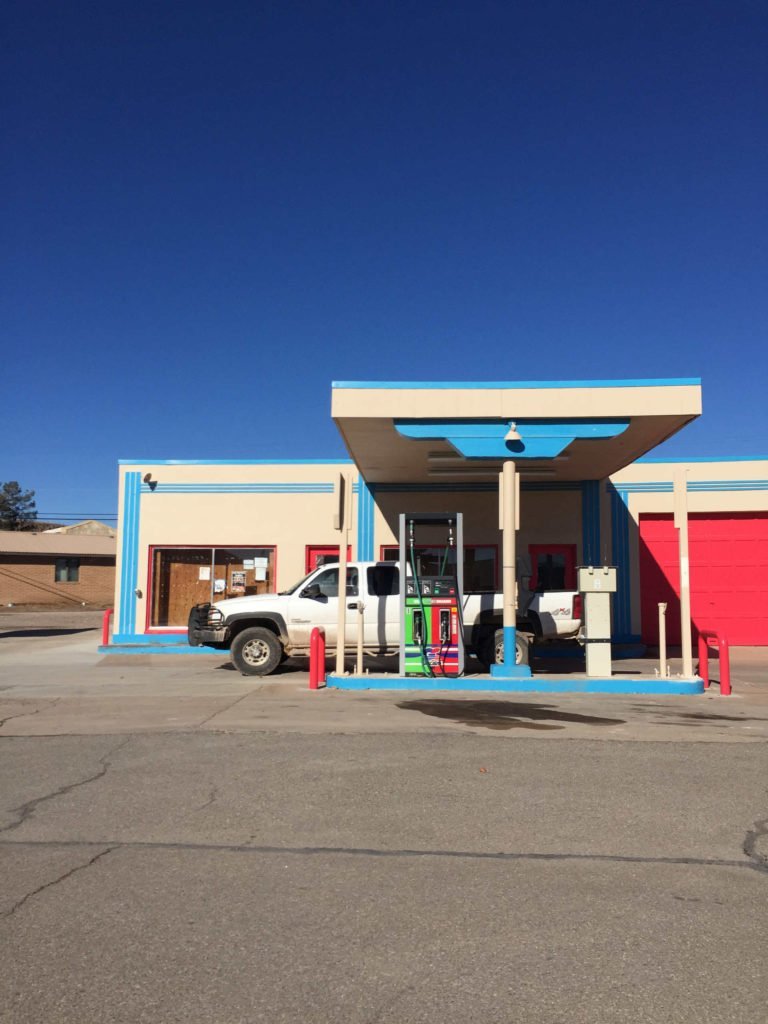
pixel 212 210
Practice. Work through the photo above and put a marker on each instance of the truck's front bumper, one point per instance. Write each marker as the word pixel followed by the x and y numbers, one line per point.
pixel 205 626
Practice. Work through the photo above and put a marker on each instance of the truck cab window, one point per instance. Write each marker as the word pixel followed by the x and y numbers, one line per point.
pixel 383 580
pixel 328 582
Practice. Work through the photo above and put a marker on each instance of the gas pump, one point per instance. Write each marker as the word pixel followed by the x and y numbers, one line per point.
pixel 597 583
pixel 431 591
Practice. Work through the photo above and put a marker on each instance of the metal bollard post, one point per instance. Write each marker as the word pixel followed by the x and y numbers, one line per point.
pixel 704 659
pixel 360 627
pixel 663 669
pixel 321 658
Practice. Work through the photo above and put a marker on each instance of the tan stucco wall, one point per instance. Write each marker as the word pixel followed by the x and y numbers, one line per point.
pixel 293 520
pixel 288 521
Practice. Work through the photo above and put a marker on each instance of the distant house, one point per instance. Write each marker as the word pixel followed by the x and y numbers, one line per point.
pixel 57 568
pixel 89 527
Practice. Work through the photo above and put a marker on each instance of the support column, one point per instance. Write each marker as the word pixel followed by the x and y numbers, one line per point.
pixel 681 522
pixel 509 518
pixel 345 515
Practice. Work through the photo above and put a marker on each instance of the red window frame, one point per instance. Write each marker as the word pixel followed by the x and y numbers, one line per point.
pixel 569 553
pixel 323 549
pixel 148 628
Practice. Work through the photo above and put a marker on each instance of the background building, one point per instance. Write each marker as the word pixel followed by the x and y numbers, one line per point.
pixel 56 568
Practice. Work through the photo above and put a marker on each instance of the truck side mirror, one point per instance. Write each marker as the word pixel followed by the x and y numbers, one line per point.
pixel 312 590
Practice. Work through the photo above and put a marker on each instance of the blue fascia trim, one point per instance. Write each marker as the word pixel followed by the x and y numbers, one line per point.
pixel 534 684
pixel 235 462
pixel 484 439
pixel 365 520
pixel 238 488
pixel 510 385
pixel 137 648
pixel 667 486
pixel 129 567
pixel 150 639
pixel 622 613
pixel 706 458
pixel 485 488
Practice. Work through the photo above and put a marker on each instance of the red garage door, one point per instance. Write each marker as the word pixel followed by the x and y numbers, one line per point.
pixel 729 575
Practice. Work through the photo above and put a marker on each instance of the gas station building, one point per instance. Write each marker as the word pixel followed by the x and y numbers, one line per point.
pixel 590 493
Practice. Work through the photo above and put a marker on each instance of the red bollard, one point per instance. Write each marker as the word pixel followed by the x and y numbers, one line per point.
pixel 314 636
pixel 316 658
pixel 725 666
pixel 105 627
pixel 712 639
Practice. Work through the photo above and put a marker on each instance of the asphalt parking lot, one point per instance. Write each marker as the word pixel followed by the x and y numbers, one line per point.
pixel 181 843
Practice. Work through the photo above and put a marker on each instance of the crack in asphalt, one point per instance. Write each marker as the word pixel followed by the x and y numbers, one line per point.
pixel 26 714
pixel 227 708
pixel 752 864
pixel 56 881
pixel 211 798
pixel 26 810
pixel 752 838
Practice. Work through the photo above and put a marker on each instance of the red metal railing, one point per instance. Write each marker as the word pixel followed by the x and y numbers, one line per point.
pixel 316 658
pixel 105 627
pixel 715 640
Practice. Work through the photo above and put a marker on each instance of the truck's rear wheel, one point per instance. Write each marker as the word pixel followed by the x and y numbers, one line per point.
pixel 256 651
pixel 494 649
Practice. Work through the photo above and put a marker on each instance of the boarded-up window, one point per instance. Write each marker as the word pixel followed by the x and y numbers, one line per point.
pixel 183 577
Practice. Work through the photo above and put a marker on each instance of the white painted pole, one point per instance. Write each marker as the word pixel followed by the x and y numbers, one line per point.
pixel 663 640
pixel 360 629
pixel 681 522
pixel 346 516
pixel 508 487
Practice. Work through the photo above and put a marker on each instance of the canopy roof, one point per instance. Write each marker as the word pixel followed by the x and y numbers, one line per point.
pixel 418 432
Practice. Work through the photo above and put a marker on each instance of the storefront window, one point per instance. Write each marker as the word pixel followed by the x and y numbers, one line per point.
pixel 183 577
pixel 554 567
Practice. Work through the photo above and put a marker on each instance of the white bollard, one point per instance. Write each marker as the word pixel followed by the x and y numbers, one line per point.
pixel 663 669
pixel 360 629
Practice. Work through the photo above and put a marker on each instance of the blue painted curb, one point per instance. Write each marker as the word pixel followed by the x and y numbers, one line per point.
pixel 494 685
pixel 157 649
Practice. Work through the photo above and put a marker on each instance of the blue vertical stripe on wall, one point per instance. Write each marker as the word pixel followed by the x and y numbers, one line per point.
pixel 620 518
pixel 130 551
pixel 590 522
pixel 365 507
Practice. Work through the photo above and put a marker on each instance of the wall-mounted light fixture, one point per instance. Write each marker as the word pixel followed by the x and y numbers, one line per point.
pixel 512 434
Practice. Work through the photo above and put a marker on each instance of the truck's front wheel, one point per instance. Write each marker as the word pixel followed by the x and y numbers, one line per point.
pixel 494 654
pixel 256 651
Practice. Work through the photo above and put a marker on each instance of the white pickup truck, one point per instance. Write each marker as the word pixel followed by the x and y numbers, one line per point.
pixel 262 631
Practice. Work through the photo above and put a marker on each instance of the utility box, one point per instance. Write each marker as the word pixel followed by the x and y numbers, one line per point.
pixel 596 583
